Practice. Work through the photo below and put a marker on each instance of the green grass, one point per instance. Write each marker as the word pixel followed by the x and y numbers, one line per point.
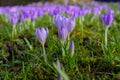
pixel 21 56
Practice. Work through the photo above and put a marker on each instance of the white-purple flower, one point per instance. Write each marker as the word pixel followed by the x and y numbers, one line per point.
pixel 42 34
pixel 69 23
pixel 58 20
pixel 62 33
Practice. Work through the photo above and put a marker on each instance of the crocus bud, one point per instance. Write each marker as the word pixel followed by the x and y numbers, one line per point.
pixel 72 48
pixel 42 34
pixel 59 66
pixel 62 33
pixel 107 18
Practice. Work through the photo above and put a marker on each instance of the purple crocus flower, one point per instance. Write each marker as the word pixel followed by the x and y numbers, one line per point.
pixel 72 11
pixel 25 14
pixel 14 17
pixel 111 12
pixel 62 33
pixel 107 18
pixel 96 11
pixel 56 11
pixel 33 14
pixel 82 12
pixel 69 23
pixel 22 17
pixel 72 47
pixel 40 12
pixel 42 34
pixel 58 20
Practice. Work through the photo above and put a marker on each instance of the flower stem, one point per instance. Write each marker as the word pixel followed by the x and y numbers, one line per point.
pixel 69 36
pixel 13 31
pixel 68 45
pixel 106 31
pixel 44 53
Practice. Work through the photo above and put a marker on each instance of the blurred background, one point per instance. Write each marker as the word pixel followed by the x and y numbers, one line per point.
pixel 23 2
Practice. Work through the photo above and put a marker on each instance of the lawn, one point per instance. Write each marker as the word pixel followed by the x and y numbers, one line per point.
pixel 60 42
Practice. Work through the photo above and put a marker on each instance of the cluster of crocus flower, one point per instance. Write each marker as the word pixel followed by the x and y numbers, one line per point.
pixel 107 19
pixel 65 27
pixel 75 11
pixel 32 11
